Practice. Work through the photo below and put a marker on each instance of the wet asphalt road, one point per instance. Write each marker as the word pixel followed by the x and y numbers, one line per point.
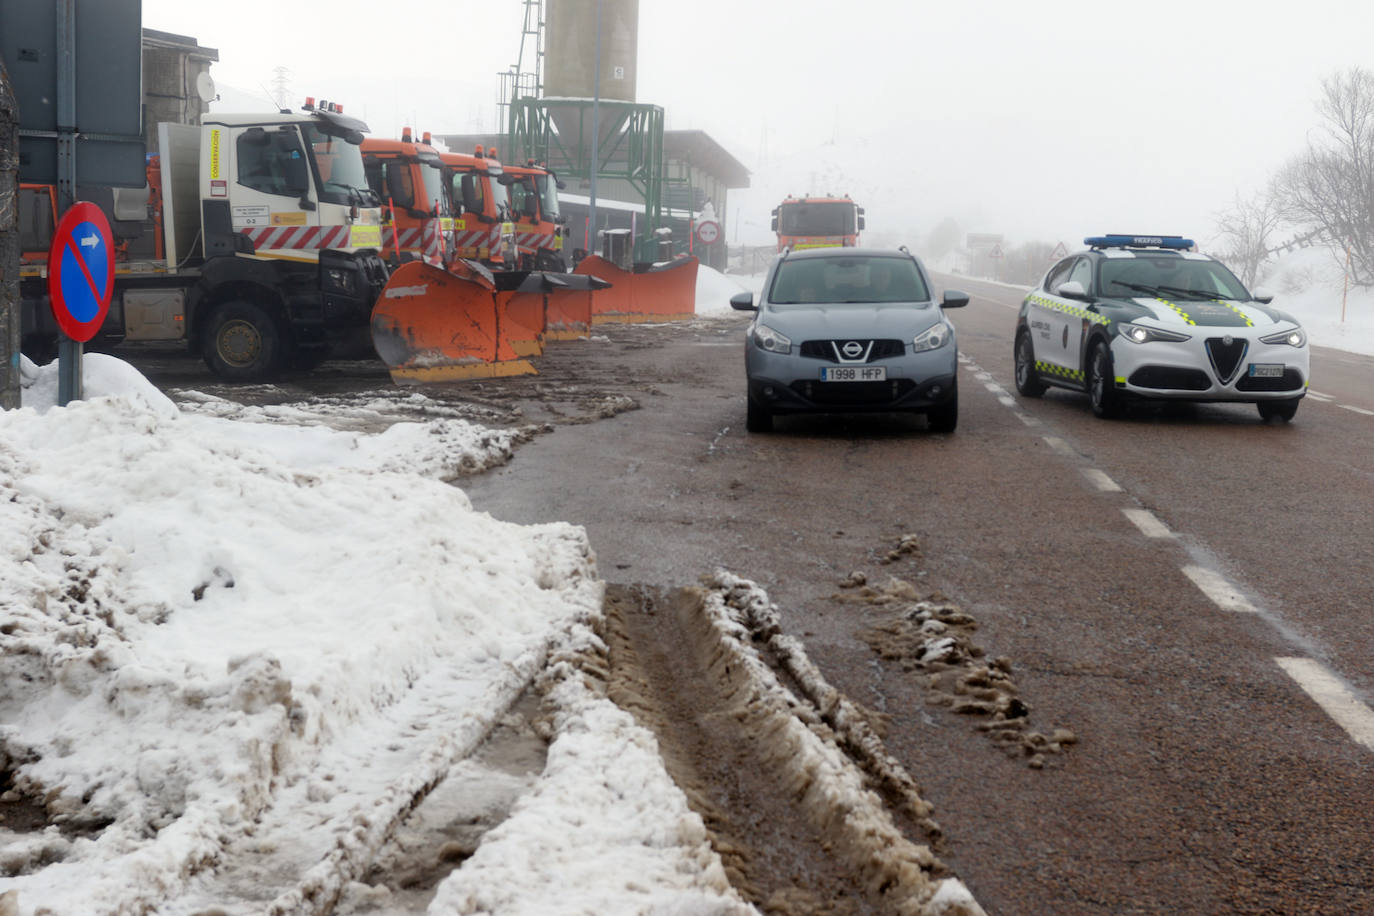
pixel 1206 777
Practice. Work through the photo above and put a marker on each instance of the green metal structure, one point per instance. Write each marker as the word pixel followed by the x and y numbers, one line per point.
pixel 630 149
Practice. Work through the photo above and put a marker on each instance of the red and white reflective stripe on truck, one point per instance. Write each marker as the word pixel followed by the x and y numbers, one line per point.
pixel 298 238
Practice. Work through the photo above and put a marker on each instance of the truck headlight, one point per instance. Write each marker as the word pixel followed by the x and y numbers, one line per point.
pixel 765 338
pixel 1294 337
pixel 339 279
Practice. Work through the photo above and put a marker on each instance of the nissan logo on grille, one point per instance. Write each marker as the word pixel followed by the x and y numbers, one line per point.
pixel 852 349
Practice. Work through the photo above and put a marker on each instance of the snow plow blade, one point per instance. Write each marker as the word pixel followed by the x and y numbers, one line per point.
pixel 521 309
pixel 432 325
pixel 658 292
pixel 569 305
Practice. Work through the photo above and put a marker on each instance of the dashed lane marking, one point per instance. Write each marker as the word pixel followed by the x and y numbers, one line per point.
pixel 1006 400
pixel 1335 699
pixel 1100 480
pixel 1359 410
pixel 1320 396
pixel 1060 446
pixel 1223 594
pixel 1148 523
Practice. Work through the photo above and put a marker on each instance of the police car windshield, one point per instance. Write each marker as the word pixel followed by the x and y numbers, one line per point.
pixel 848 279
pixel 1168 276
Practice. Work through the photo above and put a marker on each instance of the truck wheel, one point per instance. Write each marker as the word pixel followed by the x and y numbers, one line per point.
pixel 242 342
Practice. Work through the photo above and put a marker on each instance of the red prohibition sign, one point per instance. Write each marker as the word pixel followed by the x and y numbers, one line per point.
pixel 81 271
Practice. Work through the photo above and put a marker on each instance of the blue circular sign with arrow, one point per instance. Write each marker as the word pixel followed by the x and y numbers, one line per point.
pixel 81 271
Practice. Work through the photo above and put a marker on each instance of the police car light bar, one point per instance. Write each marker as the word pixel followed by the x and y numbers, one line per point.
pixel 1175 242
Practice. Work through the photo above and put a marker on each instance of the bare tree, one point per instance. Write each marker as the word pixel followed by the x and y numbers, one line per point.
pixel 1329 189
pixel 1246 231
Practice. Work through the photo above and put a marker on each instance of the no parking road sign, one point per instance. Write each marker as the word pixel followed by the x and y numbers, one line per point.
pixel 81 271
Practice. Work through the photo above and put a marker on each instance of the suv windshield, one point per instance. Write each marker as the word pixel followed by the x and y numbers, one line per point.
pixel 848 278
pixel 1168 277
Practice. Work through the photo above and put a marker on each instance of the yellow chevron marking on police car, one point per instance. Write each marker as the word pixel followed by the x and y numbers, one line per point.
pixel 1243 317
pixel 1073 310
pixel 1178 310
pixel 1060 371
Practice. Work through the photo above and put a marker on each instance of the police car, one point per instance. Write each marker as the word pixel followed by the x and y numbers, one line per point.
pixel 1149 317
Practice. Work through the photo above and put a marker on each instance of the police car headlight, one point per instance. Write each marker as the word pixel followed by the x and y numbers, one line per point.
pixel 1139 333
pixel 932 338
pixel 765 338
pixel 1293 338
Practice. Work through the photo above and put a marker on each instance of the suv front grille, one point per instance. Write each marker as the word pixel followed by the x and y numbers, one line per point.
pixel 830 350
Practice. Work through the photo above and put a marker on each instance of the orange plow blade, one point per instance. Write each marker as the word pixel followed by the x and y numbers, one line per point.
pixel 662 292
pixel 568 313
pixel 432 325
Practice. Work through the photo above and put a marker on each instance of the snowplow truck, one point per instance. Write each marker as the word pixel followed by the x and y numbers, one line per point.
pixel 417 219
pixel 533 193
pixel 256 243
pixel 817 222
pixel 483 230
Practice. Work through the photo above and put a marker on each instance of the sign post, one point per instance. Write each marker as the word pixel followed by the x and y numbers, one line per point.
pixel 80 284
pixel 708 232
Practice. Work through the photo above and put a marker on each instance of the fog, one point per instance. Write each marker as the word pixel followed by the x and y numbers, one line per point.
pixel 1043 122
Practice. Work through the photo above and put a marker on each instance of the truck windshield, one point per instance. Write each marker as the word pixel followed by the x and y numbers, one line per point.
pixel 548 196
pixel 339 165
pixel 434 188
pixel 836 217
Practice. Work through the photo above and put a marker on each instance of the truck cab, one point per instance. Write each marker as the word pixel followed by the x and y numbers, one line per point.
pixel 408 177
pixel 533 192
pixel 483 230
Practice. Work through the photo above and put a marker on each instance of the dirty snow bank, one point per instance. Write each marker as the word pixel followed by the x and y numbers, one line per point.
pixel 203 619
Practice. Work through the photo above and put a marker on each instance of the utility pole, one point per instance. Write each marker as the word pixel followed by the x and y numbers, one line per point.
pixel 10 397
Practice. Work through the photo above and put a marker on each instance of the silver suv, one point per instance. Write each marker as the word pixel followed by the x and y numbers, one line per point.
pixel 850 330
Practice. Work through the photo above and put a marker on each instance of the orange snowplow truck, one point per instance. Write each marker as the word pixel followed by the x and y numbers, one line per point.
pixel 482 227
pixel 817 222
pixel 409 179
pixel 534 209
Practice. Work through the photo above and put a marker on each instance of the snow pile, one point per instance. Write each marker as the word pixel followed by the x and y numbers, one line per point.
pixel 714 290
pixel 209 624
pixel 1309 284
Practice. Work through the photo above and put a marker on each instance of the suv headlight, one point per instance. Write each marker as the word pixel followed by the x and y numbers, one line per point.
pixel 1294 337
pixel 765 338
pixel 1140 333
pixel 932 338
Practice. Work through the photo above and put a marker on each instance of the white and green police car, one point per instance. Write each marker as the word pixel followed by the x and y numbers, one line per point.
pixel 1148 317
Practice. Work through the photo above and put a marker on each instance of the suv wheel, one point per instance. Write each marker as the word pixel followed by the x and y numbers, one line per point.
pixel 757 419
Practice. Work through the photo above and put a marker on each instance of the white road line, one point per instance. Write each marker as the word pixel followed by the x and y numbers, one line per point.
pixel 1214 585
pixel 1028 419
pixel 1148 523
pixel 1100 480
pixel 1059 445
pixel 993 387
pixel 1361 410
pixel 1320 396
pixel 1007 401
pixel 1333 697
pixel 983 376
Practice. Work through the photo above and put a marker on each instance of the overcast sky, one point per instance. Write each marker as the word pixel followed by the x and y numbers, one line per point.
pixel 1043 121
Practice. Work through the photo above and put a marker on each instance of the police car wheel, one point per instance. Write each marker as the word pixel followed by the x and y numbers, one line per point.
pixel 1102 393
pixel 1278 410
pixel 1027 381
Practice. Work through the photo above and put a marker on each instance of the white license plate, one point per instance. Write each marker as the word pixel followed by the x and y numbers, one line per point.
pixel 1266 370
pixel 853 373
